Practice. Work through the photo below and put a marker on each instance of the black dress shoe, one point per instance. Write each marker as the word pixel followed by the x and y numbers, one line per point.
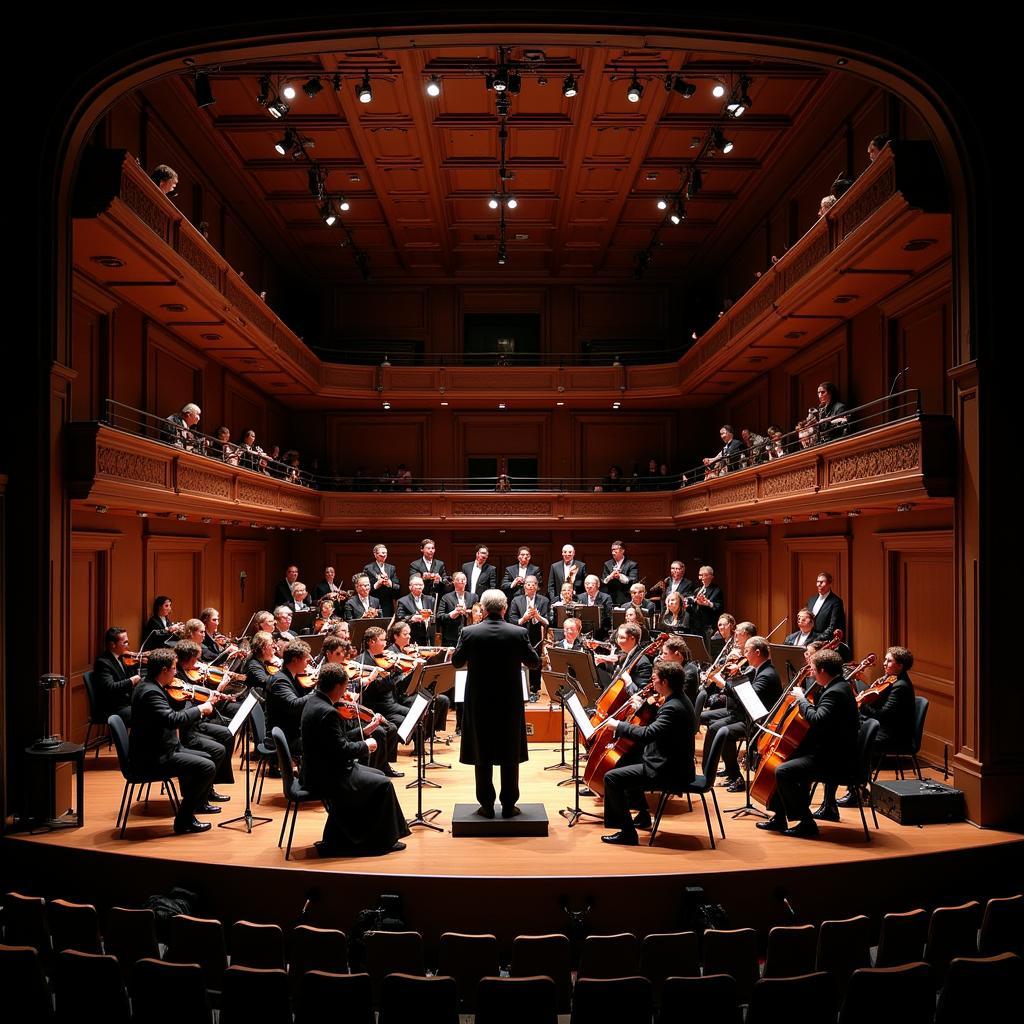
pixel 776 824
pixel 728 781
pixel 208 809
pixel 485 812
pixel 585 791
pixel 736 787
pixel 622 838
pixel 826 812
pixel 804 829
pixel 183 828
pixel 397 848
pixel 848 800
pixel 217 798
pixel 722 773
pixel 392 774
pixel 642 820
pixel 510 812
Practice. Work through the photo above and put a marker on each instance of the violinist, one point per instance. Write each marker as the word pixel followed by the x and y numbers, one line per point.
pixel 401 646
pixel 895 710
pixel 734 636
pixel 673 617
pixel 153 743
pixel 364 816
pixel 286 696
pixel 112 680
pixel 531 611
pixel 674 649
pixel 209 735
pixel 418 610
pixel 158 626
pixel 336 652
pixel 212 643
pixel 260 666
pixel 263 622
pixel 327 587
pixel 828 751
pixel 325 615
pixel 361 605
pixel 667 760
pixel 767 686
pixel 378 684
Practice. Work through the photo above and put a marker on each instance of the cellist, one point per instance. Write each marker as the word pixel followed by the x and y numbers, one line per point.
pixel 829 750
pixel 895 710
pixel 667 761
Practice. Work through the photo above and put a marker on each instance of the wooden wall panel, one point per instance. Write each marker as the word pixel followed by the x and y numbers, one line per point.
pixel 240 601
pixel 809 556
pixel 825 361
pixel 90 605
pixel 376 441
pixel 621 312
pixel 174 373
pixel 174 566
pixel 748 570
pixel 87 329
pixel 621 440
pixel 921 339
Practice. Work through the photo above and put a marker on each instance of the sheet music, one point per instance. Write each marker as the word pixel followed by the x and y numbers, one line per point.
pixel 420 704
pixel 242 713
pixel 580 716
pixel 460 685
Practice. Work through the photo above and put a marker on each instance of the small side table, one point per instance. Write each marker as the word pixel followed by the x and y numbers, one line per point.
pixel 51 757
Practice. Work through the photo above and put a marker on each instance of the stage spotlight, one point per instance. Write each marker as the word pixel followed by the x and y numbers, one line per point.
pixel 502 256
pixel 718 90
pixel 288 91
pixel 363 90
pixel 328 214
pixel 204 94
pixel 499 80
pixel 684 88
pixel 278 109
pixel 662 203
pixel 739 105
pixel 720 142
pixel 285 143
pixel 511 202
pixel 263 96
pixel 570 87
pixel 433 86
pixel 635 90
pixel 494 202
pixel 343 204
pixel 678 215
pixel 313 87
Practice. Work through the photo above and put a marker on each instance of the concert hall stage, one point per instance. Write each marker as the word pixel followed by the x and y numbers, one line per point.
pixel 511 886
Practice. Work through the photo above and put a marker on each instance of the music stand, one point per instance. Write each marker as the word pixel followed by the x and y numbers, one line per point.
pixel 357 627
pixel 553 682
pixel 753 711
pixel 698 648
pixel 240 720
pixel 437 679
pixel 315 643
pixel 584 671
pixel 788 659
pixel 413 722
pixel 569 695
pixel 302 622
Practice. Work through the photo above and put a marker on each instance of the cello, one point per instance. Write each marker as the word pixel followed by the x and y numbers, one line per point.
pixel 605 754
pixel 614 694
pixel 781 735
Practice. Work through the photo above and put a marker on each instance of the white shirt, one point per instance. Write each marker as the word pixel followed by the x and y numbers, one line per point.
pixel 474 577
pixel 819 603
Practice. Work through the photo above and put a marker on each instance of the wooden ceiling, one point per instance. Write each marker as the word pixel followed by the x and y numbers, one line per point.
pixel 587 171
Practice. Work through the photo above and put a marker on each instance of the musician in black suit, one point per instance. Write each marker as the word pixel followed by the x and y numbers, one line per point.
pixel 618 574
pixel 896 712
pixel 400 637
pixel 559 572
pixel 627 639
pixel 638 599
pixel 283 624
pixel 383 577
pixel 283 590
pixel 674 649
pixel 568 637
pixel 362 603
pixel 667 762
pixel 327 587
pixel 210 618
pixel 299 601
pixel 515 575
pixel 765 680
pixel 705 604
pixel 827 752
pixel 112 680
pixel 259 669
pixel 805 633
pixel 364 816
pixel 454 612
pixel 531 611
pixel 429 569
pixel 418 610
pixel 480 575
pixel 378 687
pixel 826 607
pixel 833 421
pixel 494 723
pixel 286 696
pixel 592 597
pixel 153 744
pixel 157 629
pixel 731 457
pixel 677 581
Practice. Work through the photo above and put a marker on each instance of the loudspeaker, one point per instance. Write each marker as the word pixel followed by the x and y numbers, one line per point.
pixel 915 802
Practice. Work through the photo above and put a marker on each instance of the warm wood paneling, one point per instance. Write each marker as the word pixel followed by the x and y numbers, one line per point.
pixel 174 566
pixel 91 568
pixel 748 571
pixel 621 440
pixel 244 596
pixel 174 373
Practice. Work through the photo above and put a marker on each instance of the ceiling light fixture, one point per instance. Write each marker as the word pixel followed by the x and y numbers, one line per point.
pixel 740 102
pixel 494 202
pixel 313 87
pixel 718 90
pixel 285 143
pixel 328 213
pixel 343 204
pixel 635 90
pixel 663 203
pixel 676 83
pixel 263 96
pixel 278 109
pixel 511 202
pixel 720 142
pixel 204 93
pixel 570 87
pixel 363 90
pixel 433 86
pixel 695 184
pixel 678 215
pixel 288 91
pixel 502 256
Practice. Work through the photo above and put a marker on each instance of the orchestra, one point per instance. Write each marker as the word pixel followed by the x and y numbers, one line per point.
pixel 655 698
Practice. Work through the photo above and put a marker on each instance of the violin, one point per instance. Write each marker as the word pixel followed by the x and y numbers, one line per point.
pixel 351 711
pixel 224 680
pixel 876 691
pixel 181 691
pixel 132 658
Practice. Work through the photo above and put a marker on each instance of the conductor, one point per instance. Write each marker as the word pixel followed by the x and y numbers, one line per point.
pixel 494 722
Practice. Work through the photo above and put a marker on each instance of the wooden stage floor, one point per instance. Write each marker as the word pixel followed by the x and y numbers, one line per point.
pixel 568 861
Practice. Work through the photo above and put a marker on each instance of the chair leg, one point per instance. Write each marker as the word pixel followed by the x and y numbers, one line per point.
pixel 291 832
pixel 280 838
pixel 172 796
pixel 127 810
pixel 662 803
pixel 689 802
pixel 120 810
pixel 88 732
pixel 707 818
pixel 264 770
pixel 860 806
pixel 917 767
pixel 714 800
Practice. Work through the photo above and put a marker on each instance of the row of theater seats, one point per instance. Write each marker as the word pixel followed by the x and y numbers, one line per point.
pixel 55 953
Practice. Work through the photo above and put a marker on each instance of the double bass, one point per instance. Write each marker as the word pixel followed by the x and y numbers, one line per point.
pixel 781 734
pixel 614 694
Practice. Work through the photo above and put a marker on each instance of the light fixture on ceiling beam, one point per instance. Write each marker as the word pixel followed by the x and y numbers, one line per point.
pixel 278 109
pixel 718 90
pixel 328 213
pixel 288 91
pixel 678 214
pixel 678 84
pixel 635 90
pixel 511 202
pixel 285 144
pixel 494 202
pixel 695 184
pixel 363 91
pixel 434 86
pixel 720 142
pixel 740 102
pixel 502 256
pixel 663 203
pixel 570 87
pixel 263 96
pixel 343 204
pixel 313 87
pixel 204 92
